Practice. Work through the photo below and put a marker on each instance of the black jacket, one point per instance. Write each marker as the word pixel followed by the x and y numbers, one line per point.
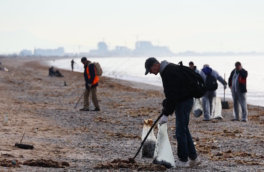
pixel 174 88
pixel 92 75
pixel 242 80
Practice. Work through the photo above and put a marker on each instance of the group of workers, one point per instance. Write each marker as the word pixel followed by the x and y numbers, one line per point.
pixel 178 99
pixel 237 84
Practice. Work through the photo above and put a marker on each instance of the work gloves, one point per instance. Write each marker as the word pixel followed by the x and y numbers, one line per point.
pixel 163 119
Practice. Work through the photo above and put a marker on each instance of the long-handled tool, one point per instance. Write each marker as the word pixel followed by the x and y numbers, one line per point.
pixel 142 143
pixel 224 103
pixel 23 146
pixel 78 101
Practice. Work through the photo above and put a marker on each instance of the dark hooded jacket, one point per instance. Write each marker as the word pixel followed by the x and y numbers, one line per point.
pixel 242 80
pixel 174 87
pixel 196 70
pixel 207 70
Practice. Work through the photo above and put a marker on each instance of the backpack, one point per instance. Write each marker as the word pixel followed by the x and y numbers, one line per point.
pixel 195 84
pixel 211 83
pixel 99 70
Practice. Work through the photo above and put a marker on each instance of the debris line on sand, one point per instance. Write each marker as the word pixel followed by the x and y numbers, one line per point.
pixel 131 164
pixel 46 163
pixel 9 163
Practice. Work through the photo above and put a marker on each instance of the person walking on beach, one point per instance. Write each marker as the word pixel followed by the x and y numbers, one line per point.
pixel 91 83
pixel 72 64
pixel 191 65
pixel 238 84
pixel 210 77
pixel 178 99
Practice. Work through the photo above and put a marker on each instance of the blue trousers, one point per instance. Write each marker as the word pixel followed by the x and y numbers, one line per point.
pixel 185 143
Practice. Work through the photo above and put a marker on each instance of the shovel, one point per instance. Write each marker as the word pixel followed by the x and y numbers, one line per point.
pixel 23 146
pixel 224 103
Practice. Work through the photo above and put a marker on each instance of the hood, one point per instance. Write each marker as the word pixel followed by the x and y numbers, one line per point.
pixel 207 70
pixel 163 64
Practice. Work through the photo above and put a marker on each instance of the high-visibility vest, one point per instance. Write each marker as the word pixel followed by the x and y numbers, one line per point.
pixel 96 78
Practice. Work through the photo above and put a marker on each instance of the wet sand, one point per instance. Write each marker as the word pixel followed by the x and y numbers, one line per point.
pixel 43 108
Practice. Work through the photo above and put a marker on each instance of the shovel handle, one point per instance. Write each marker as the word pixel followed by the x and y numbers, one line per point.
pixel 78 101
pixel 142 143
pixel 224 89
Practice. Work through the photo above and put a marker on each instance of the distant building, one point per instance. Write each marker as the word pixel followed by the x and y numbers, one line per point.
pixel 84 54
pixel 102 50
pixel 102 47
pixel 121 51
pixel 49 52
pixel 25 53
pixel 145 48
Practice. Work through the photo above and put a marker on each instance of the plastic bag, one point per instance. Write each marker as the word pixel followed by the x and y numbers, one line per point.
pixel 217 108
pixel 163 152
pixel 239 113
pixel 148 148
pixel 197 108
pixel 6 120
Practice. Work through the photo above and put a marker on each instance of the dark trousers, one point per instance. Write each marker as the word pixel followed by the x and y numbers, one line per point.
pixel 185 143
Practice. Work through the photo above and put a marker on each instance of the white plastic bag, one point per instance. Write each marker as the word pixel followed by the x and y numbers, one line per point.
pixel 239 114
pixel 217 108
pixel 6 120
pixel 148 148
pixel 197 108
pixel 163 152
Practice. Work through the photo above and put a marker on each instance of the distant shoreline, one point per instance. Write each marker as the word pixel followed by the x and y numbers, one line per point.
pixel 185 54
pixel 140 84
pixel 137 84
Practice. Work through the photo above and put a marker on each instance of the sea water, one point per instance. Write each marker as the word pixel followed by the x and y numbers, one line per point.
pixel 133 69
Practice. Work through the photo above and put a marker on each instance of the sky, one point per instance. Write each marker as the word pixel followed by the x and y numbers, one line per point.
pixel 181 25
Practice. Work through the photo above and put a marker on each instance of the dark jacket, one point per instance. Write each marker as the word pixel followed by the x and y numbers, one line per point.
pixel 174 88
pixel 92 75
pixel 242 80
pixel 207 70
pixel 196 70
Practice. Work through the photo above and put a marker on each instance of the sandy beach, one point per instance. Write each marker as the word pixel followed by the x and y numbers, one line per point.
pixel 43 108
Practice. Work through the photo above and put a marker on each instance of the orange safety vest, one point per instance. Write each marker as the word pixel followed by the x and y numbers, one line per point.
pixel 96 78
